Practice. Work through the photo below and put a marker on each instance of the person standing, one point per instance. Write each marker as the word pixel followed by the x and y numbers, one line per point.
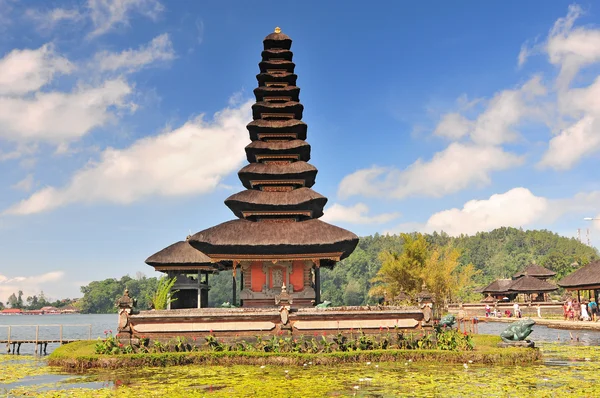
pixel 517 310
pixel 488 310
pixel 539 311
pixel 593 307
pixel 584 313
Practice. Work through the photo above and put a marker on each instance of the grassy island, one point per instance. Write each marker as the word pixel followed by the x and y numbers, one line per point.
pixel 82 355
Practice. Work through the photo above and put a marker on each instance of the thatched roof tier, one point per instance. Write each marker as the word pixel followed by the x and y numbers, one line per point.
pixel 298 199
pixel 530 284
pixel 535 270
pixel 257 150
pixel 586 277
pixel 277 53
pixel 292 92
pixel 277 40
pixel 291 126
pixel 276 64
pixel 181 255
pixel 241 237
pixel 289 78
pixel 269 171
pixel 260 109
pixel 497 287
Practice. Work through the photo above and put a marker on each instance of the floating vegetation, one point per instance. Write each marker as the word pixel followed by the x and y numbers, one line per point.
pixel 576 376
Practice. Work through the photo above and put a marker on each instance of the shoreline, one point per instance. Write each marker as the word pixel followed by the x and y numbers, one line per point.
pixel 551 323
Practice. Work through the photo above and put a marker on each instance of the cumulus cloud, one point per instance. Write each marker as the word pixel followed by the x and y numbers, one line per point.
pixel 518 207
pixel 357 214
pixel 109 14
pixel 192 159
pixel 30 285
pixel 571 49
pixel 58 116
pixel 496 124
pixel 159 49
pixel 453 169
pixel 24 71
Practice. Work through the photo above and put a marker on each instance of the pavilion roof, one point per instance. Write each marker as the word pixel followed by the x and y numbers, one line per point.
pixel 535 270
pixel 530 284
pixel 181 254
pixel 242 237
pixel 588 275
pixel 497 286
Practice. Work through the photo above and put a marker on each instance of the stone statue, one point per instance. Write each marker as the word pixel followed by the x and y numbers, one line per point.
pixel 324 304
pixel 125 306
pixel 448 321
pixel 517 331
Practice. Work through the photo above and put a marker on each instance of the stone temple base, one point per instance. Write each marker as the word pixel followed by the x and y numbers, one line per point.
pixel 524 344
pixel 250 322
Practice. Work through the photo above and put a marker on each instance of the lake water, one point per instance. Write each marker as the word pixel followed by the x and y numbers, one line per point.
pixel 569 368
pixel 75 326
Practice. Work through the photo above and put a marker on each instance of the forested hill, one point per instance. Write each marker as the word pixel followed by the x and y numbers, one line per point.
pixel 498 254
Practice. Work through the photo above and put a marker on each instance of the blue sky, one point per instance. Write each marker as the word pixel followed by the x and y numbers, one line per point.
pixel 122 122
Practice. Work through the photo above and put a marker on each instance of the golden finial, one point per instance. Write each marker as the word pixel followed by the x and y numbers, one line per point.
pixel 278 30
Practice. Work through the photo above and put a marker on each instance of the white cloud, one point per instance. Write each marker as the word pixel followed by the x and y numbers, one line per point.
pixel 192 159
pixel 159 49
pixel 30 285
pixel 453 126
pixel 518 207
pixel 108 14
pixel 571 49
pixel 503 113
pixel 451 170
pixel 56 116
pixel 578 140
pixel 24 71
pixel 25 184
pixel 48 19
pixel 357 214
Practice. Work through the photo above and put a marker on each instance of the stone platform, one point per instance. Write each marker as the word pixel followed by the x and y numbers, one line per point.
pixel 250 322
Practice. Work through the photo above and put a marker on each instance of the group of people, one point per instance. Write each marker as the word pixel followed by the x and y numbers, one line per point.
pixel 496 313
pixel 585 311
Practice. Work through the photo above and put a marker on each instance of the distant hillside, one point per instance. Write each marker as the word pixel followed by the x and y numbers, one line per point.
pixel 498 254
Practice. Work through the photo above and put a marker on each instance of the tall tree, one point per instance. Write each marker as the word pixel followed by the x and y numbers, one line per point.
pixel 401 272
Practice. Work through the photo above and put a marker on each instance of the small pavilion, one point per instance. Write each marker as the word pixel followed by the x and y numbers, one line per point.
pixel 586 278
pixel 531 283
pixel 191 268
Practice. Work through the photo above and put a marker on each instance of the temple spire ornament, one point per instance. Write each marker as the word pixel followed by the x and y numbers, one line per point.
pixel 278 30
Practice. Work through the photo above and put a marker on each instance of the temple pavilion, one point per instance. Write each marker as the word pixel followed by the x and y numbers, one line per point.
pixel 277 241
pixel 531 284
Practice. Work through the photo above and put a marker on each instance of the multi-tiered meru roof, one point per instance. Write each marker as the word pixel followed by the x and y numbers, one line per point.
pixel 278 212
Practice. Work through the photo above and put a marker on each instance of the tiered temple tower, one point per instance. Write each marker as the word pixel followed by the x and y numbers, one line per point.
pixel 277 239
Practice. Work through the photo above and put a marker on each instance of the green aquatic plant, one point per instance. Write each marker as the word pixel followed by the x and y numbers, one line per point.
pixel 163 295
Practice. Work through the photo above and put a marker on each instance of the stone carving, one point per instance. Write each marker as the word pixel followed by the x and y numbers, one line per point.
pixel 277 277
pixel 448 321
pixel 285 301
pixel 517 331
pixel 324 304
pixel 125 306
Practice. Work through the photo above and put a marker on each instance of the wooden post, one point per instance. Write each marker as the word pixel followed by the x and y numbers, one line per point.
pixel 37 335
pixel 317 284
pixel 90 332
pixel 234 283
pixel 578 296
pixel 241 286
pixel 60 334
pixel 8 343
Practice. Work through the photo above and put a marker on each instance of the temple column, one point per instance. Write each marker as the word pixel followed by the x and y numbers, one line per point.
pixel 241 285
pixel 199 290
pixel 317 282
pixel 234 283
